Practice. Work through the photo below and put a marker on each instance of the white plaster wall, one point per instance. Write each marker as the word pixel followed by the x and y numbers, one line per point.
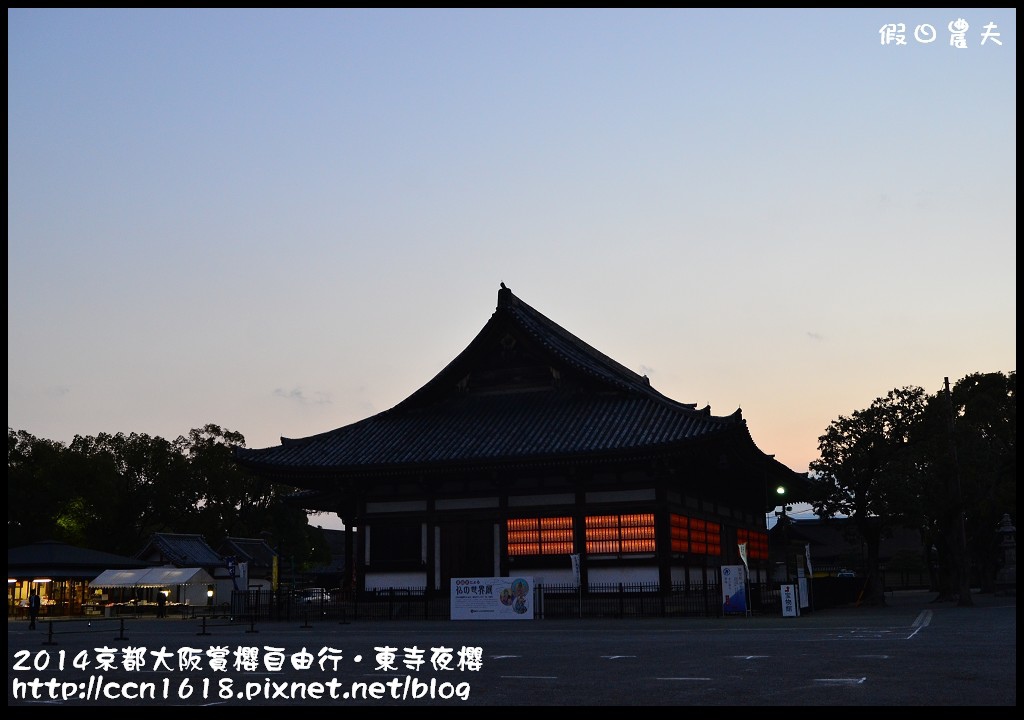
pixel 194 595
pixel 604 575
pixel 547 576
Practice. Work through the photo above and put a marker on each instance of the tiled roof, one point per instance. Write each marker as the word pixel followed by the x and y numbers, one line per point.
pixel 255 551
pixel 58 554
pixel 494 427
pixel 59 560
pixel 562 346
pixel 590 405
pixel 182 550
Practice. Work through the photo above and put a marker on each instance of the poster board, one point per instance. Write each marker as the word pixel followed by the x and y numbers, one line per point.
pixel 790 602
pixel 492 598
pixel 734 590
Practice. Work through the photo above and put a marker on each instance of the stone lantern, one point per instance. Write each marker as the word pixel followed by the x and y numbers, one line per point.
pixel 1006 578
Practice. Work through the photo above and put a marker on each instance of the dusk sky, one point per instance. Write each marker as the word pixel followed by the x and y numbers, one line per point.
pixel 285 221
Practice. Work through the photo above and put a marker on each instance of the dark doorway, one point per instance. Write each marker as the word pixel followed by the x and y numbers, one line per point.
pixel 467 550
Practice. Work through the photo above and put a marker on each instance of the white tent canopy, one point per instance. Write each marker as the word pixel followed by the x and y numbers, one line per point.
pixel 158 577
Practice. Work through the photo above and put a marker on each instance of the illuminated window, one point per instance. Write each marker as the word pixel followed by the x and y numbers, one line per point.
pixel 617 534
pixel 757 543
pixel 692 535
pixel 680 533
pixel 540 536
pixel 698 536
pixel 714 534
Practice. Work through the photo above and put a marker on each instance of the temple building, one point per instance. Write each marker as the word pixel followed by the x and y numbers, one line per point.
pixel 530 447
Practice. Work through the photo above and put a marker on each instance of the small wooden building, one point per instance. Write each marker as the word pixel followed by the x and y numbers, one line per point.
pixel 59 572
pixel 529 447
pixel 255 555
pixel 190 550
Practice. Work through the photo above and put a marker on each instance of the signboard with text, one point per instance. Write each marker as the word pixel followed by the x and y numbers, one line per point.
pixel 734 590
pixel 790 603
pixel 494 598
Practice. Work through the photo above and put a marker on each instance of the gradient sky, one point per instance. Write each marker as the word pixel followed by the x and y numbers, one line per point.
pixel 284 221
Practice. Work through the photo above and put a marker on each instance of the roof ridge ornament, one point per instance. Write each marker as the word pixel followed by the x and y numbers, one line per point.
pixel 505 296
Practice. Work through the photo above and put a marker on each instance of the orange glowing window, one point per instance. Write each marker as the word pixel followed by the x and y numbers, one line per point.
pixel 757 543
pixel 693 535
pixel 540 536
pixel 714 539
pixel 680 533
pixel 617 534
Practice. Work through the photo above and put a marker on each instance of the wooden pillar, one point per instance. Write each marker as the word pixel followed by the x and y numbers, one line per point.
pixel 663 538
pixel 350 550
pixel 503 564
pixel 431 523
pixel 360 557
pixel 579 525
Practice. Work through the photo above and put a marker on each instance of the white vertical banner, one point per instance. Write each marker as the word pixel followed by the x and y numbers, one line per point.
pixel 810 570
pixel 746 579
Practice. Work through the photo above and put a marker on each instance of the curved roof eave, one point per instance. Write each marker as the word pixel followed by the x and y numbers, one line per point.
pixel 438 427
pixel 298 474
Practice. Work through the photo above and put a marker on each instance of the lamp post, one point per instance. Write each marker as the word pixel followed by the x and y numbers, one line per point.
pixel 781 519
pixel 783 523
pixel 1006 577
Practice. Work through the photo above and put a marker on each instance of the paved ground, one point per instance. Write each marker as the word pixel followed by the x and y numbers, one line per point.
pixel 913 652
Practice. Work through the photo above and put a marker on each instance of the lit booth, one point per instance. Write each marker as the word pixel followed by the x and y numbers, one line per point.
pixel 135 591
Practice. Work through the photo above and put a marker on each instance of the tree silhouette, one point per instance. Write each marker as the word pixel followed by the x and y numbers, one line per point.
pixel 867 471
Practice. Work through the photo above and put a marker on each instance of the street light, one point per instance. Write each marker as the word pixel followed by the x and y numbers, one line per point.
pixel 780 492
pixel 780 517
pixel 783 520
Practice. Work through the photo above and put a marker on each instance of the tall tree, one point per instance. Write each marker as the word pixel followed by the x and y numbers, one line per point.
pixel 112 492
pixel 868 471
pixel 42 503
pixel 232 502
pixel 985 433
pixel 971 459
pixel 137 485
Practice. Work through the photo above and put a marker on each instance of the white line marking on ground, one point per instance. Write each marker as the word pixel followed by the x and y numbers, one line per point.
pixel 922 621
pixel 684 678
pixel 842 681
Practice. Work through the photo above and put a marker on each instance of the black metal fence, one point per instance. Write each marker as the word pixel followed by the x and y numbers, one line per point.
pixel 614 600
pixel 550 600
